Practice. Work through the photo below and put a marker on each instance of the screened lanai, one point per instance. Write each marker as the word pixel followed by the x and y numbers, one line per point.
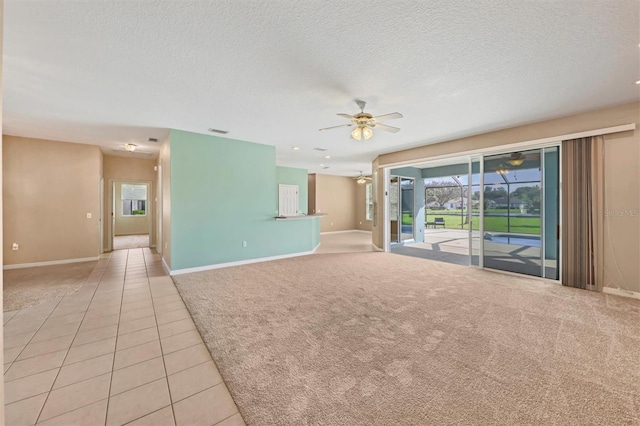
pixel 497 211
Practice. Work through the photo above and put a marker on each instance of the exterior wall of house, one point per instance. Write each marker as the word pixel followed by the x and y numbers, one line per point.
pixel 622 178
pixel 49 188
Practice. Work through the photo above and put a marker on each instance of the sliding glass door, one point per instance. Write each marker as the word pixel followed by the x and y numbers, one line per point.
pixel 520 212
pixel 401 209
pixel 499 211
pixel 407 199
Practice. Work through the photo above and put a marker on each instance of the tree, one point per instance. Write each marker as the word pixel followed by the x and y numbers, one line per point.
pixel 441 192
pixel 493 193
pixel 529 195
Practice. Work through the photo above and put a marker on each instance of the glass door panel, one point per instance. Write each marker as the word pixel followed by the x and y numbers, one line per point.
pixel 551 211
pixel 512 230
pixel 474 211
pixel 394 208
pixel 407 200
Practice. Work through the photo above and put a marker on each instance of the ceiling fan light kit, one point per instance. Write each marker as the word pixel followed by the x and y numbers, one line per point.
pixel 361 179
pixel 130 147
pixel 365 123
pixel 517 158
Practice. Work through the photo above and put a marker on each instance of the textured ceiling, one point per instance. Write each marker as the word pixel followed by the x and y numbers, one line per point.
pixel 274 72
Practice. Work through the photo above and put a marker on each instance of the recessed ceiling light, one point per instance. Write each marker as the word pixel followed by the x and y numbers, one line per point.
pixel 321 165
pixel 295 148
pixel 638 82
pixel 222 132
pixel 327 156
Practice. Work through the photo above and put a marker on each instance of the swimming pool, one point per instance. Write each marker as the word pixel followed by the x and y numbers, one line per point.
pixel 521 240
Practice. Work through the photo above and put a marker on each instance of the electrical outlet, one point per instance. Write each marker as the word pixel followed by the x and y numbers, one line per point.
pixel 244 244
pixel 88 215
pixel 14 246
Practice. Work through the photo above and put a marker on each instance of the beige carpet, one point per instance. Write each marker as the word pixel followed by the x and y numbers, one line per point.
pixel 31 286
pixel 382 339
pixel 122 242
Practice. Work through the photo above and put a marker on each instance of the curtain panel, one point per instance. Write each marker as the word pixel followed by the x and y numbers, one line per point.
pixel 583 213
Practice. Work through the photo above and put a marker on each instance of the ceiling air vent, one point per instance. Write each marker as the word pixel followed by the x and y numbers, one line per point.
pixel 154 140
pixel 320 149
pixel 222 132
pixel 325 167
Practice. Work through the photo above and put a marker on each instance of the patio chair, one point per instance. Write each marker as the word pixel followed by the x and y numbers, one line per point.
pixel 438 221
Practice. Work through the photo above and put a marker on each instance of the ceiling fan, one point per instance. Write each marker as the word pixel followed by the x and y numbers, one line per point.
pixel 362 178
pixel 365 123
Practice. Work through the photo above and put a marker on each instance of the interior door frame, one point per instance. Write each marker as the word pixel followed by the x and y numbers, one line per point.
pixel 112 203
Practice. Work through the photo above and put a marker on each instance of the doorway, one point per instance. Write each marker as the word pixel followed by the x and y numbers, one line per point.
pixel 401 209
pixel 130 215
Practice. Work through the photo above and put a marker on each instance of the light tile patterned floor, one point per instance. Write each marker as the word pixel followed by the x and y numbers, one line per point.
pixel 122 350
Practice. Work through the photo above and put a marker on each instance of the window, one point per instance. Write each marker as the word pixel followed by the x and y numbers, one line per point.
pixel 134 200
pixel 369 201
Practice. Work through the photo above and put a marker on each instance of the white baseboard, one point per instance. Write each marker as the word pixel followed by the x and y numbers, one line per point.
pixel 165 266
pixel 240 262
pixel 621 292
pixel 51 262
pixel 342 232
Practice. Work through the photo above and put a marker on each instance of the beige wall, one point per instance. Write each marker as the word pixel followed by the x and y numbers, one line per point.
pixel 48 189
pixel 131 225
pixel 311 194
pixel 129 169
pixel 1 237
pixel 336 197
pixel 622 178
pixel 164 163
pixel 377 227
pixel 361 207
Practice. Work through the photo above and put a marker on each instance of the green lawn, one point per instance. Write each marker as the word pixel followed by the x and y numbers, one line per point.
pixel 523 225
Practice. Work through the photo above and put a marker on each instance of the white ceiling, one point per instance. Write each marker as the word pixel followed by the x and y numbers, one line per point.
pixel 274 72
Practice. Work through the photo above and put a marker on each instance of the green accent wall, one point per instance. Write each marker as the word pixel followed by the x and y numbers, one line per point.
pixel 224 192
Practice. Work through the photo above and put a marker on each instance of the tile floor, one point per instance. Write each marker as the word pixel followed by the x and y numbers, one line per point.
pixel 121 350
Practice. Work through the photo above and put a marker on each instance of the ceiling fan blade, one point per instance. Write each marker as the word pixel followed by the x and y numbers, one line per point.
pixel 335 127
pixel 386 128
pixel 391 116
pixel 347 116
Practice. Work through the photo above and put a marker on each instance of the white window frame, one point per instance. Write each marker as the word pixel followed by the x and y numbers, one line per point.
pixel 368 200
